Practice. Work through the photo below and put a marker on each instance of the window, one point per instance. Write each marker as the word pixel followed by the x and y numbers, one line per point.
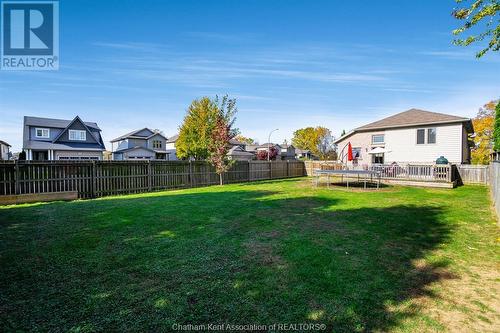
pixel 377 139
pixel 77 135
pixel 42 133
pixel 431 135
pixel 156 144
pixel 420 136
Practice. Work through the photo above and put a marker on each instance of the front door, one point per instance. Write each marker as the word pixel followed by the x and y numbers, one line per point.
pixel 40 155
pixel 160 156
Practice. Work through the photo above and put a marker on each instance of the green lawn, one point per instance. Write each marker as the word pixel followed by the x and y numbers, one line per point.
pixel 397 259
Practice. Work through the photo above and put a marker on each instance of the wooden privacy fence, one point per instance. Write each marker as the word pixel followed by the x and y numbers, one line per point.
pixel 494 182
pixel 474 174
pixel 101 178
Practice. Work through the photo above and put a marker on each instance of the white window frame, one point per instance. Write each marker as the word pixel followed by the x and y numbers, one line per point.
pixel 42 129
pixel 157 144
pixel 378 143
pixel 77 135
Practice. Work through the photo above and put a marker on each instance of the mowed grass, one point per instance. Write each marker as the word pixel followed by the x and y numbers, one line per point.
pixel 397 259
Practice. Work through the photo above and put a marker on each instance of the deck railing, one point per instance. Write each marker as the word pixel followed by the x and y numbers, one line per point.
pixel 102 178
pixel 421 172
pixel 411 172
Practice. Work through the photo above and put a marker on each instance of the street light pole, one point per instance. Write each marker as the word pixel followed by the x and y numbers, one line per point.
pixel 269 143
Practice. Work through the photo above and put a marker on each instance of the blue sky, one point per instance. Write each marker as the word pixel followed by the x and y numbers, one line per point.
pixel 290 64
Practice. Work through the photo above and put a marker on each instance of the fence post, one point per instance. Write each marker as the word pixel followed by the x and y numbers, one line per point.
pixel 190 175
pixel 149 177
pixel 287 169
pixel 16 178
pixel 270 170
pixel 249 170
pixel 94 179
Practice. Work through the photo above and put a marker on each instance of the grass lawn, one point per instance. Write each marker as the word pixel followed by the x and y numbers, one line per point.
pixel 397 259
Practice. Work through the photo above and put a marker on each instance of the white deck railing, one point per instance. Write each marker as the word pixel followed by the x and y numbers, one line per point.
pixel 422 172
pixel 416 171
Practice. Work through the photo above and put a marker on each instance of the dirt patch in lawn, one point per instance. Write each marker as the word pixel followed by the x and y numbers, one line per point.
pixel 459 303
pixel 263 252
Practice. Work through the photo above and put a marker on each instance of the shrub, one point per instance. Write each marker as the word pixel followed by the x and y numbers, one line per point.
pixel 262 154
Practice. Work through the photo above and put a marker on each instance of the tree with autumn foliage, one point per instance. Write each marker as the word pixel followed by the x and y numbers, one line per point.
pixel 222 132
pixel 195 133
pixel 262 154
pixel 244 139
pixel 318 140
pixel 483 138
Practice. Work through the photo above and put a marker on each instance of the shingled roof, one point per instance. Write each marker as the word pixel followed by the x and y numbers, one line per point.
pixel 413 117
pixel 51 122
pixel 409 118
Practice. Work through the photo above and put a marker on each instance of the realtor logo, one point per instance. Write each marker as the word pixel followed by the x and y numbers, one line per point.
pixel 30 35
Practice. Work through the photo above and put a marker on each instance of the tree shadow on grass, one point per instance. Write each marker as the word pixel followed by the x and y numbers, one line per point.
pixel 241 257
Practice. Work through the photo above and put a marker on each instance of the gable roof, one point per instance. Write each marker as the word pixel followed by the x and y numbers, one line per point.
pixel 251 147
pixel 4 143
pixel 265 145
pixel 155 134
pixel 410 118
pixel 99 142
pixel 236 142
pixel 55 123
pixel 237 150
pixel 133 135
pixel 413 117
pixel 173 138
pixel 134 148
pixel 62 124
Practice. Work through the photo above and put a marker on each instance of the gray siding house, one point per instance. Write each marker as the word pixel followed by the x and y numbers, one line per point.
pixel 4 150
pixel 238 153
pixel 141 144
pixel 58 139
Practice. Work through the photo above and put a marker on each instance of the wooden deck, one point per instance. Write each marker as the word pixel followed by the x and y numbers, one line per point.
pixel 424 175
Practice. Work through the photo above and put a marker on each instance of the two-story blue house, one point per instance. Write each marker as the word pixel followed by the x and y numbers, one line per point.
pixel 58 139
pixel 141 144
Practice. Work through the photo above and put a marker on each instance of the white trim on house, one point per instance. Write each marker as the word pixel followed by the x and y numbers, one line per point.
pixel 379 142
pixel 77 135
pixel 43 130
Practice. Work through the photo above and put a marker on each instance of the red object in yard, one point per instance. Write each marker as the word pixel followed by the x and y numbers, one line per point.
pixel 349 152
